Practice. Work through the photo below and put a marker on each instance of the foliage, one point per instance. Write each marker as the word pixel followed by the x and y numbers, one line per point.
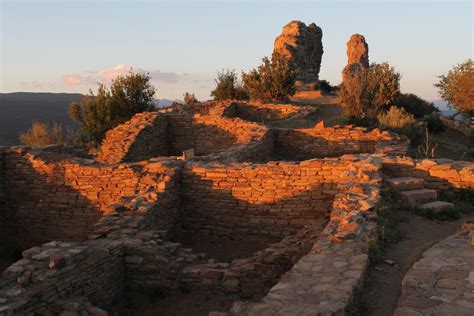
pixel 41 134
pixel 434 123
pixel 398 120
pixel 189 98
pixel 226 83
pixel 427 149
pixel 395 118
pixel 326 87
pixel 273 80
pixel 457 87
pixel 365 92
pixel 98 113
pixel 415 105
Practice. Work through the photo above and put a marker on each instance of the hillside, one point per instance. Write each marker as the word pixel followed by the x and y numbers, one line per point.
pixel 18 110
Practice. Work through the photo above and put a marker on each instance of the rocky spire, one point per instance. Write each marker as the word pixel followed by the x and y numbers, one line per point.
pixel 303 46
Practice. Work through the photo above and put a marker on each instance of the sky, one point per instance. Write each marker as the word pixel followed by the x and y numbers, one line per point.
pixel 69 46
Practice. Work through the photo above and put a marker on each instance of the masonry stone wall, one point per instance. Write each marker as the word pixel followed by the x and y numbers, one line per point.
pixel 265 112
pixel 270 201
pixel 439 174
pixel 153 134
pixel 59 270
pixel 61 198
pixel 301 144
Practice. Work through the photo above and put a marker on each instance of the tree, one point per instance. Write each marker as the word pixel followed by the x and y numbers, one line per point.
pixel 41 134
pixel 226 83
pixel 273 80
pixel 112 106
pixel 457 87
pixel 364 92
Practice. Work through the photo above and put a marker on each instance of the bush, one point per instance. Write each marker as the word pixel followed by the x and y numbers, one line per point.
pixel 112 106
pixel 434 123
pixel 395 118
pixel 456 87
pixel 415 105
pixel 365 92
pixel 398 120
pixel 41 134
pixel 326 87
pixel 189 98
pixel 226 83
pixel 273 80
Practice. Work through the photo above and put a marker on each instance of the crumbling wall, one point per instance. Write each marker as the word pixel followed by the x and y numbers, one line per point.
pixel 439 174
pixel 142 137
pixel 61 199
pixel 301 144
pixel 59 270
pixel 152 134
pixel 269 201
pixel 265 112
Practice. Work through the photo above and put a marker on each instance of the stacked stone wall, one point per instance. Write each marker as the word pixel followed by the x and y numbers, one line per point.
pixel 270 201
pixel 439 174
pixel 153 134
pixel 265 112
pixel 61 199
pixel 301 144
pixel 60 270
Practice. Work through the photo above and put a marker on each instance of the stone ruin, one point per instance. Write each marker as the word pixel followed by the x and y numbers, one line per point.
pixel 93 229
pixel 302 45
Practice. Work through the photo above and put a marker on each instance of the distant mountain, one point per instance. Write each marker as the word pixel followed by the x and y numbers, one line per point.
pixel 18 110
pixel 164 103
pixel 445 108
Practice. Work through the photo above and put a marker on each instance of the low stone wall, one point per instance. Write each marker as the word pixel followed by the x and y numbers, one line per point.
pixel 58 270
pixel 301 144
pixel 323 281
pixel 271 200
pixel 442 281
pixel 266 112
pixel 153 134
pixel 144 136
pixel 53 198
pixel 439 174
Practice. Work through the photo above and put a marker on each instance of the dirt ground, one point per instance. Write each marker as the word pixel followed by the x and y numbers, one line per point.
pixel 223 250
pixel 193 303
pixel 382 286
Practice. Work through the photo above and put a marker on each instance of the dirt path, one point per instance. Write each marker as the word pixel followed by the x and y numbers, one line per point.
pixel 382 287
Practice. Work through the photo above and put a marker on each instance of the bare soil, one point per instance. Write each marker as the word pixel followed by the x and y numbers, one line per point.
pixel 383 282
pixel 193 303
pixel 223 250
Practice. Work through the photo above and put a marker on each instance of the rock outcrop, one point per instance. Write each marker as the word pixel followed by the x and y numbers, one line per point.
pixel 358 50
pixel 303 46
pixel 357 58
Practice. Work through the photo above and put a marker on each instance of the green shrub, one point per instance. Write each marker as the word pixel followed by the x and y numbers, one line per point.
pixel 112 106
pixel 226 83
pixel 398 120
pixel 273 80
pixel 395 118
pixel 415 105
pixel 365 92
pixel 41 134
pixel 434 123
pixel 326 87
pixel 456 87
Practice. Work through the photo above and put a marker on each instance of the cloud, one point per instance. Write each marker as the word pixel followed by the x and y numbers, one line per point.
pixel 35 84
pixel 106 76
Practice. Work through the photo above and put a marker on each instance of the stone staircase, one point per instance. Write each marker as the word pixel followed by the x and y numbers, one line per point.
pixel 413 191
